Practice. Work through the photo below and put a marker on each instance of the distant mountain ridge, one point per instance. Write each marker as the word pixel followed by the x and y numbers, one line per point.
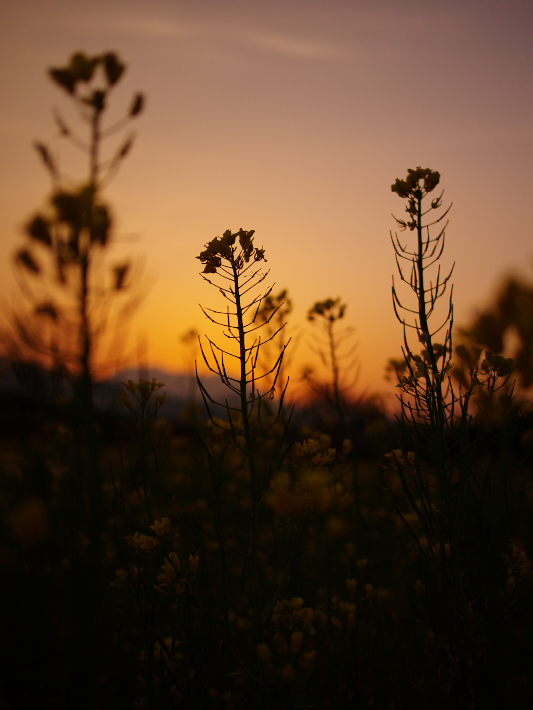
pixel 178 385
pixel 32 380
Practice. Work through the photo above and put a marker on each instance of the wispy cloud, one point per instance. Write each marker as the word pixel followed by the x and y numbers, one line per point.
pixel 155 27
pixel 296 47
pixel 158 26
pixel 135 24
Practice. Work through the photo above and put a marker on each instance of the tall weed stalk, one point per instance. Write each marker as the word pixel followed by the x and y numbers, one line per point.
pixel 460 510
pixel 339 358
pixel 241 419
pixel 73 294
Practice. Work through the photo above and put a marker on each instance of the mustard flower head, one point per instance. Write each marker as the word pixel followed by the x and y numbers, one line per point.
pixel 127 401
pixel 194 563
pixel 347 446
pixel 525 409
pixel 291 613
pixel 265 654
pixel 142 542
pixel 330 309
pixel 161 527
pixel 351 585
pixel 311 450
pixel 169 572
pixel 497 365
pixel 308 447
pixel 144 387
pixel 223 248
pixel 397 458
pixel 121 576
pixel 416 183
pixel 420 588
pixel 416 186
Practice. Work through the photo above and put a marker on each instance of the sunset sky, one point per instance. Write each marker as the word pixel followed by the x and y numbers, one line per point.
pixel 293 118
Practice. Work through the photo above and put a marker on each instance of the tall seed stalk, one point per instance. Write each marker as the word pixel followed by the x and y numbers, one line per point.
pixel 64 248
pixel 234 260
pixel 70 301
pixel 455 499
pixel 426 410
pixel 338 356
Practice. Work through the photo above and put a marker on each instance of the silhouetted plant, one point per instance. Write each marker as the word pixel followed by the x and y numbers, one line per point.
pixel 65 243
pixel 335 357
pixel 151 575
pixel 427 380
pixel 274 312
pixel 462 524
pixel 72 292
pixel 338 357
pixel 234 261
pixel 234 258
pixel 510 313
pixel 64 260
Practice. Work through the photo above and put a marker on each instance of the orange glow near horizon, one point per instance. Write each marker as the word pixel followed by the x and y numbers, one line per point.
pixel 292 119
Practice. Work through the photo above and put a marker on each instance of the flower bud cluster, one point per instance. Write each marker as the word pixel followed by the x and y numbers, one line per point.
pixel 223 248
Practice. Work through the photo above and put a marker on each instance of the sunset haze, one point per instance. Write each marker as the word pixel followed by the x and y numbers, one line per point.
pixel 293 119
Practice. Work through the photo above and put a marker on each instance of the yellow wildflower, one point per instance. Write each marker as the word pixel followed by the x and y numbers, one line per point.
pixel 121 576
pixel 383 594
pixel 396 458
pixel 169 569
pixel 161 527
pixel 352 585
pixel 281 643
pixel 284 611
pixel 283 499
pixel 420 588
pixel 146 387
pixel 288 674
pixel 307 661
pixel 324 440
pixel 350 609
pixel 126 400
pixel 525 409
pixel 308 447
pixel 194 562
pixel 296 642
pixel 336 527
pixel 265 654
pixel 142 542
pixel 321 459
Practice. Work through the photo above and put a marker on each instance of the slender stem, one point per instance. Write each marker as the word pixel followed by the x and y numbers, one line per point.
pixel 335 372
pixel 95 144
pixel 434 383
pixel 250 449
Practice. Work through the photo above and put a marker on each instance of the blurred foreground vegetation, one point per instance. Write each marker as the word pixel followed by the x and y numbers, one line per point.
pixel 351 599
